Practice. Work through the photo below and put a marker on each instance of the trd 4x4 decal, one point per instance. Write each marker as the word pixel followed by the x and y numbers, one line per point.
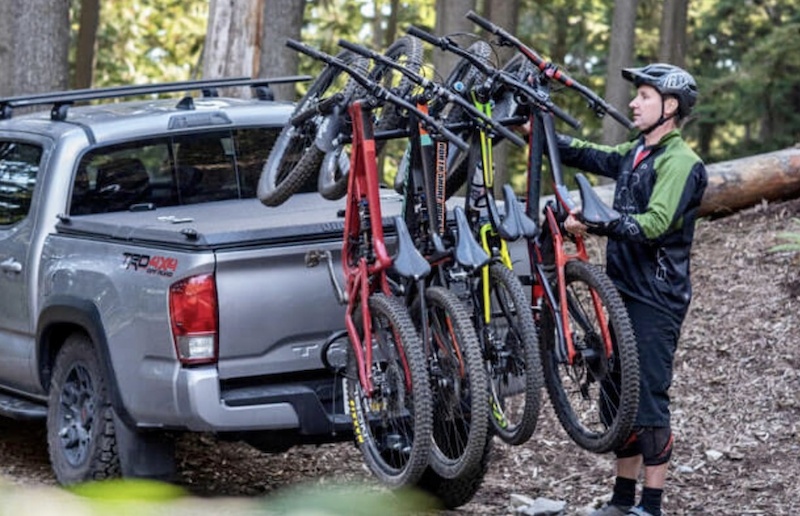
pixel 161 265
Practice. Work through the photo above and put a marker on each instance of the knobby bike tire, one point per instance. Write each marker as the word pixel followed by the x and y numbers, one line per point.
pixel 407 51
pixel 596 399
pixel 458 384
pixel 294 159
pixel 393 427
pixel 511 351
pixel 452 493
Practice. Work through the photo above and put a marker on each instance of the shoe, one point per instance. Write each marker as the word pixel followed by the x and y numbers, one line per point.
pixel 637 511
pixel 611 510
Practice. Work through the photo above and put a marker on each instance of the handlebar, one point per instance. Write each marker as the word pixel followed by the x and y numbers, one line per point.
pixel 435 89
pixel 323 108
pixel 379 92
pixel 527 90
pixel 596 103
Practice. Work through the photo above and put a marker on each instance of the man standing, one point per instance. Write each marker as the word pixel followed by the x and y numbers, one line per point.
pixel 659 185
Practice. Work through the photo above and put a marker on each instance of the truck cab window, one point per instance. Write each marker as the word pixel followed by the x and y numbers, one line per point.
pixel 19 166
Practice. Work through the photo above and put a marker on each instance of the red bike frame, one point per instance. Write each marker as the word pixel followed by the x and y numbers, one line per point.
pixel 364 255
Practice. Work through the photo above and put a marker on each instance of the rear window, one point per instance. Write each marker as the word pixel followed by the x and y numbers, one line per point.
pixel 19 167
pixel 172 171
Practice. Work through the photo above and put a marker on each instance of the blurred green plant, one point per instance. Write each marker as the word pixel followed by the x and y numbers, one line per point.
pixel 791 239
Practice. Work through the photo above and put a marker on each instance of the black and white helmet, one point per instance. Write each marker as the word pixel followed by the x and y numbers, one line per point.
pixel 667 79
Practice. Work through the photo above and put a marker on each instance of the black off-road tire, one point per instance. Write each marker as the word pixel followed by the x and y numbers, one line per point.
pixel 458 384
pixel 453 493
pixel 393 429
pixel 295 159
pixel 81 435
pixel 515 368
pixel 596 398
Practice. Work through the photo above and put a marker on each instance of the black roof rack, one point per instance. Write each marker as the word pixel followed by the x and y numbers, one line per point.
pixel 61 100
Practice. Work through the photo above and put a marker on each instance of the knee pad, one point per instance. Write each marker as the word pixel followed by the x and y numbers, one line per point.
pixel 630 448
pixel 656 444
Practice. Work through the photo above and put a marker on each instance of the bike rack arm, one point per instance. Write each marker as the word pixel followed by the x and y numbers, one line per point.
pixel 379 92
pixel 596 103
pixel 435 89
pixel 542 100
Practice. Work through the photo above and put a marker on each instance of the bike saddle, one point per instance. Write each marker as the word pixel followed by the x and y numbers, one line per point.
pixel 507 227
pixel 408 262
pixel 527 227
pixel 595 213
pixel 468 252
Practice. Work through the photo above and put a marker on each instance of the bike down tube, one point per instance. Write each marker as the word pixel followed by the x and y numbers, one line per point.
pixel 363 187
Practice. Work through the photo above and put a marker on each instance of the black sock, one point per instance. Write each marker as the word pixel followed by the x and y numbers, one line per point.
pixel 651 500
pixel 624 492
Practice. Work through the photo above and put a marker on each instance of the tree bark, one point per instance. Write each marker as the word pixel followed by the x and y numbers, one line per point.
pixel 672 36
pixel 87 36
pixel 231 41
pixel 34 40
pixel 282 20
pixel 450 19
pixel 621 55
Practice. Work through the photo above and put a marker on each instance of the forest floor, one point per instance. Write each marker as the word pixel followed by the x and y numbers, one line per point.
pixel 735 406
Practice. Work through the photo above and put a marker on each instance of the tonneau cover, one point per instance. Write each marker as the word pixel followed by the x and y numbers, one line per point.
pixel 218 225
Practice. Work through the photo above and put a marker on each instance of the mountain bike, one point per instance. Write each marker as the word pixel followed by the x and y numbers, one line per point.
pixel 389 389
pixel 588 348
pixel 501 309
pixel 455 364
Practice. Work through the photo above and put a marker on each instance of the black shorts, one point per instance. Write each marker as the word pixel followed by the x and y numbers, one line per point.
pixel 657 339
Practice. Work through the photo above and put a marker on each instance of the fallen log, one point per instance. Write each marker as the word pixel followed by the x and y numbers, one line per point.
pixel 740 183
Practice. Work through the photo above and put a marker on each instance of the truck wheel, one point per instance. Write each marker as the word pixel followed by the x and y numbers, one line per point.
pixel 80 427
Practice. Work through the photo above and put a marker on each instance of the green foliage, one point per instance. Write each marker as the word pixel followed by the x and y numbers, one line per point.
pixel 791 239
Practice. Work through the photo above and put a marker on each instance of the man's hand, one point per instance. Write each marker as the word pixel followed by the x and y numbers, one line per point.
pixel 574 225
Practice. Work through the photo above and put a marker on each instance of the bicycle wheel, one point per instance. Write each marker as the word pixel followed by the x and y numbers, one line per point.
pixel 596 398
pixel 452 493
pixel 458 384
pixel 511 353
pixel 407 51
pixel 393 426
pixel 294 158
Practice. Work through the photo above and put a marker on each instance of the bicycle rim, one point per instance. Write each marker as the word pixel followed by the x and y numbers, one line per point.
pixel 458 384
pixel 596 398
pixel 393 426
pixel 510 347
pixel 335 165
pixel 295 159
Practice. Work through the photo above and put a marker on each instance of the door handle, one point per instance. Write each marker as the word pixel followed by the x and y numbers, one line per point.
pixel 11 265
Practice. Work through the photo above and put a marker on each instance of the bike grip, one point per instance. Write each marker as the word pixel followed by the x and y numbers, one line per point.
pixel 481 22
pixel 566 117
pixel 358 49
pixel 424 36
pixel 619 117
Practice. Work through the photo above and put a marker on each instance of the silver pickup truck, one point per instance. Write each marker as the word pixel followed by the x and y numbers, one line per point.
pixel 145 291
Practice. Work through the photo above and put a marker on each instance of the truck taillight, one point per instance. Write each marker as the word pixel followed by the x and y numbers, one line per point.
pixel 193 314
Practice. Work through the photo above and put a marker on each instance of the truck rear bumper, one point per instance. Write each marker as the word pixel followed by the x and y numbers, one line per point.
pixel 311 407
pixel 199 397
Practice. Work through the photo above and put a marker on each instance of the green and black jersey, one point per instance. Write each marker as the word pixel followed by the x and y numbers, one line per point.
pixel 658 193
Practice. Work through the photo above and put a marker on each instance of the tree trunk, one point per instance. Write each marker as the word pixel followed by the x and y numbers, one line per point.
pixel 34 40
pixel 503 13
pixel 283 19
pixel 621 55
pixel 672 36
pixel 231 41
pixel 87 36
pixel 450 19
